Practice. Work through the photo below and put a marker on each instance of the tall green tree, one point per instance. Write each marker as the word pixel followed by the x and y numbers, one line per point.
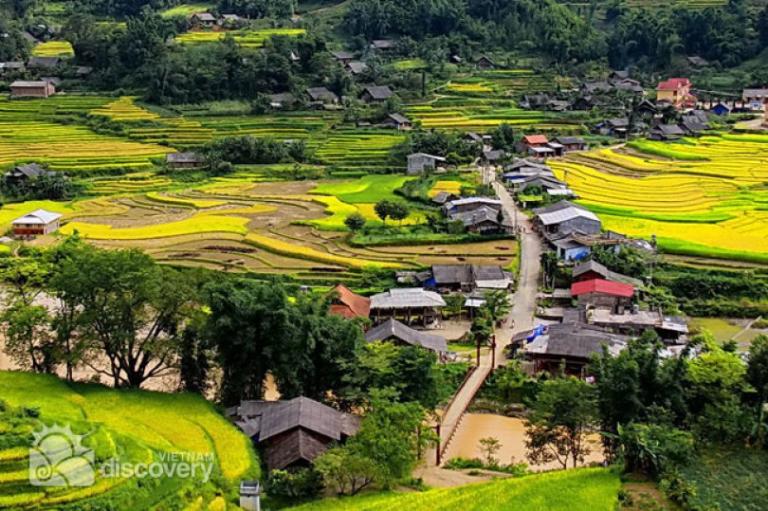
pixel 757 377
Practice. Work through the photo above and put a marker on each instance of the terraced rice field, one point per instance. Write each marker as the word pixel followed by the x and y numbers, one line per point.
pixel 485 100
pixel 129 425
pixel 125 109
pixel 245 38
pixel 185 10
pixel 31 131
pixel 54 49
pixel 278 228
pixel 701 197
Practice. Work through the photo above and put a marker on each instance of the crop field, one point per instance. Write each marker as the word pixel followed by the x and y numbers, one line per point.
pixel 484 100
pixel 292 228
pixel 185 10
pixel 31 131
pixel 130 424
pixel 700 197
pixel 53 49
pixel 125 109
pixel 587 489
pixel 245 38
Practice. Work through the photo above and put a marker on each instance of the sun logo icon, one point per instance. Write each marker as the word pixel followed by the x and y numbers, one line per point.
pixel 58 458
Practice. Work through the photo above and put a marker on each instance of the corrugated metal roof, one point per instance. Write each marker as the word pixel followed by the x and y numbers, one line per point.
pixel 39 216
pixel 393 328
pixel 563 215
pixel 402 298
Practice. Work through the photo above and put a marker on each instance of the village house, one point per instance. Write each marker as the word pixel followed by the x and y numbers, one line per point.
pixel 470 204
pixel 293 433
pixel 603 294
pixel 188 160
pixel 321 95
pixel 485 63
pixel 32 89
pixel 36 223
pixel 493 156
pixel 536 146
pixel 344 57
pixel 396 332
pixel 467 278
pixel 666 132
pixel 695 123
pixel 755 99
pixel 442 197
pixel 419 163
pixel 43 62
pixel 356 67
pixel 282 100
pixel 589 270
pixel 616 127
pixel 409 304
pixel 675 92
pixel 397 121
pixel 565 217
pixel 383 44
pixel 646 109
pixel 203 19
pixel 348 304
pixel 671 329
pixel 25 172
pixel 548 347
pixel 570 144
pixel 376 93
pixel 11 67
pixel 483 220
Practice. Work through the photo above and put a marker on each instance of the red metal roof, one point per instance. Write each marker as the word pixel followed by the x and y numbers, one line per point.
pixel 674 84
pixel 535 139
pixel 602 286
pixel 349 304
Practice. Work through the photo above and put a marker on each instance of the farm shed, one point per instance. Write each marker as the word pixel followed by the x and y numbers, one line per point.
pixel 346 303
pixel 342 56
pixel 36 223
pixel 485 62
pixel 383 44
pixel 203 19
pixel 571 143
pixel 376 93
pixel 408 303
pixel 418 163
pixel 547 347
pixel 394 331
pixel 282 100
pixel 32 89
pixel 603 294
pixel 293 433
pixel 187 160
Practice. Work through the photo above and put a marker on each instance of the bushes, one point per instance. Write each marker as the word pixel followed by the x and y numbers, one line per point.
pixel 302 484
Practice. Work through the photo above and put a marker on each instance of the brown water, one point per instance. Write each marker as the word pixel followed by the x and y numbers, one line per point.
pixel 510 432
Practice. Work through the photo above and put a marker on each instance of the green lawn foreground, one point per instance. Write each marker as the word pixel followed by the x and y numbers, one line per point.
pixel 587 489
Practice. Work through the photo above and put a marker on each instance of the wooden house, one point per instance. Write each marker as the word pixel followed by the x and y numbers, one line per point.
pixel 397 121
pixel 570 144
pixel 32 89
pixel 409 304
pixel 348 304
pixel 25 172
pixel 376 93
pixel 321 95
pixel 344 57
pixel 291 434
pixel 36 223
pixel 396 332
pixel 485 62
pixel 564 217
pixel 203 19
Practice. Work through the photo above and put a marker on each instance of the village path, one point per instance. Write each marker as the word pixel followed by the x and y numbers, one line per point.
pixel 520 318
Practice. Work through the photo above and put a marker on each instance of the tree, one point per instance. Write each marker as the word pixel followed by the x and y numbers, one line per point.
pixel 757 377
pixel 345 471
pixel 562 416
pixel 28 338
pixel 497 304
pixel 247 325
pixel 654 449
pixel 383 209
pixel 398 211
pixel 392 436
pixel 130 309
pixel 355 222
pixel 489 446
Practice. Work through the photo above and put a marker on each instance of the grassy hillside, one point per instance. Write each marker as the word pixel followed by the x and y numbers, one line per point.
pixel 573 490
pixel 132 426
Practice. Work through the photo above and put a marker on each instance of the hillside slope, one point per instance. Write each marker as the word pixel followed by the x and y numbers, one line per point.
pixel 129 426
pixel 590 489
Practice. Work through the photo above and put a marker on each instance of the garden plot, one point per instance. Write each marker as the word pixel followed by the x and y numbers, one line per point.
pixel 701 197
